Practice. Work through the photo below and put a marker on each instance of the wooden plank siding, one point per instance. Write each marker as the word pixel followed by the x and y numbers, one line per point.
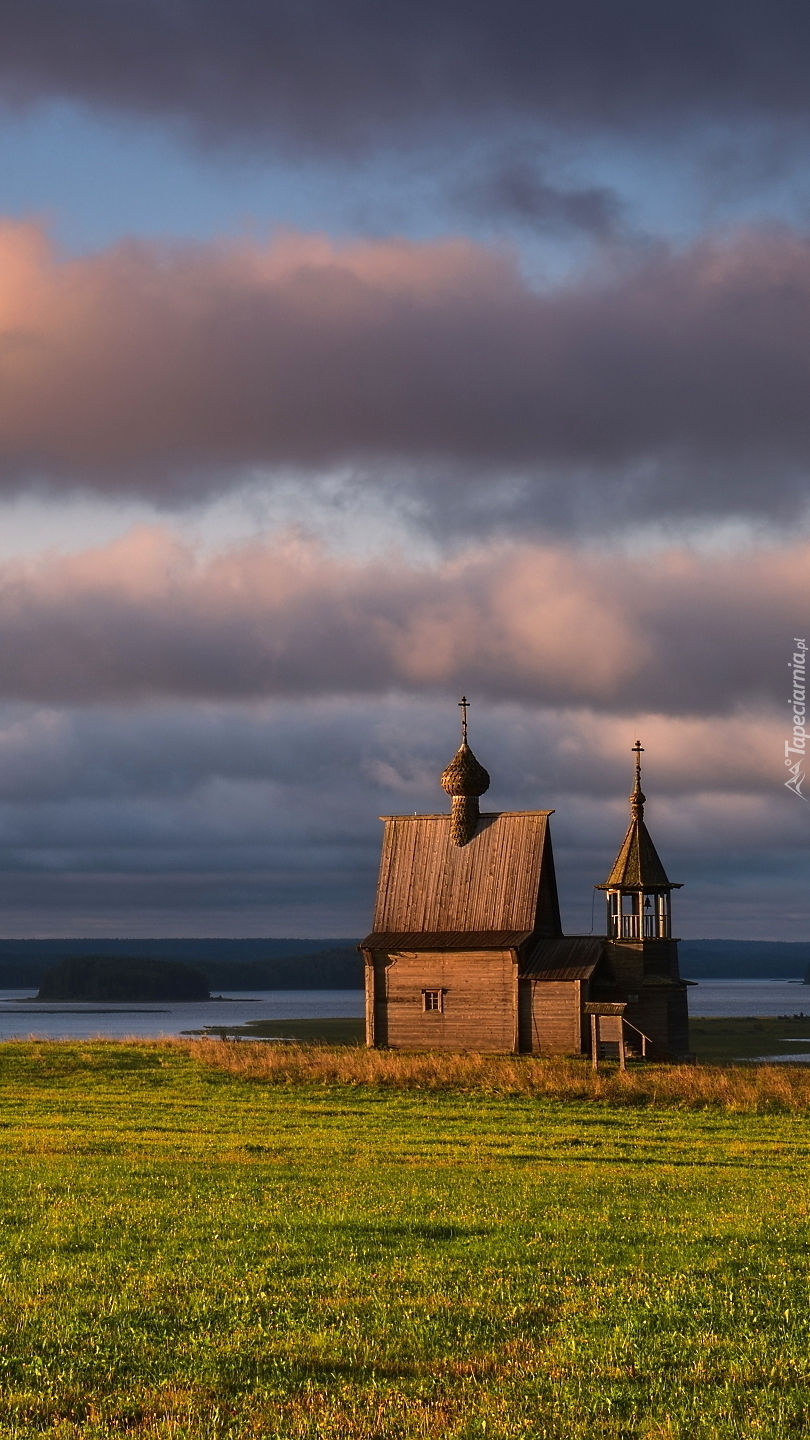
pixel 555 1016
pixel 494 883
pixel 377 1013
pixel 525 1024
pixel 479 995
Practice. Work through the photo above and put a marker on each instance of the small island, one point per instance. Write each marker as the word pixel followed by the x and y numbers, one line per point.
pixel 122 977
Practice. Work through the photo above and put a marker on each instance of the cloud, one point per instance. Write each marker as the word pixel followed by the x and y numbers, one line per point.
pixel 344 75
pixel 261 818
pixel 514 189
pixel 150 616
pixel 676 380
pixel 344 756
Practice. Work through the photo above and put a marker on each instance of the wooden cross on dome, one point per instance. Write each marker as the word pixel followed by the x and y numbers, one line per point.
pixel 638 797
pixel 464 705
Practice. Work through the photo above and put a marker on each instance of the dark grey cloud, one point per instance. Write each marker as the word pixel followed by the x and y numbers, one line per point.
pixel 185 820
pixel 332 74
pixel 262 819
pixel 514 189
pixel 287 760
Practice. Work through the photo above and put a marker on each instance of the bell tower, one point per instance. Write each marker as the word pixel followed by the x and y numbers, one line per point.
pixel 640 943
pixel 638 891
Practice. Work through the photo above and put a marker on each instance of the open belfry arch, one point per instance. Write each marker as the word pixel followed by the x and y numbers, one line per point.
pixel 467 950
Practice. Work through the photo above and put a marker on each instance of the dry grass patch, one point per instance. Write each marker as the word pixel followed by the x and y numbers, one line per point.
pixel 741 1089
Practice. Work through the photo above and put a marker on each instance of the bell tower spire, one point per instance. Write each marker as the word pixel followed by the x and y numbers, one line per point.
pixel 638 888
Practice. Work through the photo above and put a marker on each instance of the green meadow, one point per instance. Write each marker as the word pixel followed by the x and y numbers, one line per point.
pixel 192 1252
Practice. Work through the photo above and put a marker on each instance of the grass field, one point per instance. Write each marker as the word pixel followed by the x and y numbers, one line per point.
pixel 190 1252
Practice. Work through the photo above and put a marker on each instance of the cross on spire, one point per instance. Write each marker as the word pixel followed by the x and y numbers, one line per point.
pixel 464 706
pixel 638 797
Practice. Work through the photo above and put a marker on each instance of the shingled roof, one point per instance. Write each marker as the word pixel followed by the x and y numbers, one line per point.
pixel 496 883
pixel 568 957
pixel 638 866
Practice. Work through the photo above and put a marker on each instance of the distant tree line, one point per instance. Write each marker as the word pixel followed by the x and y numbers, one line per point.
pixel 122 977
pixel 744 959
pixel 225 964
pixel 336 965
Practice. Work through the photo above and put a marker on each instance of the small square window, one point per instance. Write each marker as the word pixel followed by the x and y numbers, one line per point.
pixel 432 999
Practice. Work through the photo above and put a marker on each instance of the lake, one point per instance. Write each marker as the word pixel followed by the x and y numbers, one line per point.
pixel 719 998
pixel 20 1015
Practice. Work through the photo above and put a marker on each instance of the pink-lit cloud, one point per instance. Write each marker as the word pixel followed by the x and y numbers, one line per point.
pixel 170 368
pixel 149 615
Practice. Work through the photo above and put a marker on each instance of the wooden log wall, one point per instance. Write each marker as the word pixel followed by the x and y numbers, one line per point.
pixel 659 1009
pixel 479 994
pixel 556 1018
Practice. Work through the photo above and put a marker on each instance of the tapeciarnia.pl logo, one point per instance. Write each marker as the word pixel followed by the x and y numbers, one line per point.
pixel 798 744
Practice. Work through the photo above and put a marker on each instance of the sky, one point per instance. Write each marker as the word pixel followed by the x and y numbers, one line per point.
pixel 357 355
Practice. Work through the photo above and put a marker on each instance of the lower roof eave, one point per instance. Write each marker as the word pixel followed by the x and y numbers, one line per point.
pixel 559 972
pixel 659 889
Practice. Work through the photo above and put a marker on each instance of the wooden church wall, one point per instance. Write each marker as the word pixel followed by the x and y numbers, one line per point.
pixel 478 992
pixel 551 1017
pixel 663 1015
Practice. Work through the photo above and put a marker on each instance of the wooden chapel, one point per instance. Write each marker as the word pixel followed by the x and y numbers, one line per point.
pixel 467 950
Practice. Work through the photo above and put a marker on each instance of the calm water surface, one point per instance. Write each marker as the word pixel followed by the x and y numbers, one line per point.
pixel 716 998
pixel 21 1015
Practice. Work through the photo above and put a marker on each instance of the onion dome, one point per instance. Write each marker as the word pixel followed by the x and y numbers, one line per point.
pixel 464 779
pixel 465 775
